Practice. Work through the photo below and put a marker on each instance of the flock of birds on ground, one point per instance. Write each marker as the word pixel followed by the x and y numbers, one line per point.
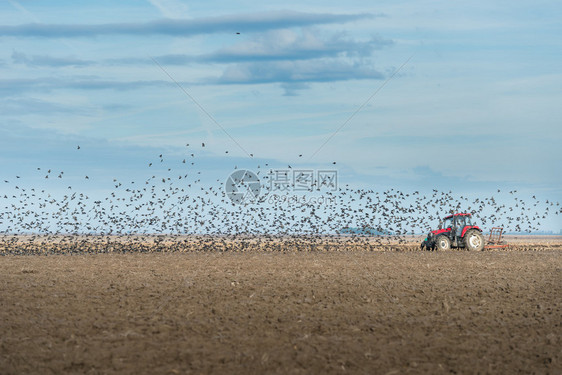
pixel 177 211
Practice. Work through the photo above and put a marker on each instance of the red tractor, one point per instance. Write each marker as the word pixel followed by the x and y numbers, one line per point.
pixel 455 231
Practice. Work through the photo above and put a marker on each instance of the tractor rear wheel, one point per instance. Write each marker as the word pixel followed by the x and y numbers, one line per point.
pixel 443 243
pixel 474 240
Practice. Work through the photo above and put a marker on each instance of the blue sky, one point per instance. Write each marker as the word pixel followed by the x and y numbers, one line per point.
pixel 477 106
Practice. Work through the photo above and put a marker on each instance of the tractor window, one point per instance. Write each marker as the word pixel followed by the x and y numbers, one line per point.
pixel 448 223
pixel 468 220
pixel 460 221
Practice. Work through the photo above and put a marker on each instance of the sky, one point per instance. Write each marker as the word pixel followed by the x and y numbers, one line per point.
pixel 416 95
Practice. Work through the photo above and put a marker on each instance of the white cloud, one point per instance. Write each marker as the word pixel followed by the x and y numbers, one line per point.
pixel 171 8
pixel 290 44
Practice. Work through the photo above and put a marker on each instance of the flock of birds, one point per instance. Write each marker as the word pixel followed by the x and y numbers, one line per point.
pixel 177 211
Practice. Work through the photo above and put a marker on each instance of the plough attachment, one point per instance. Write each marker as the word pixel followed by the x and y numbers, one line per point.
pixel 495 239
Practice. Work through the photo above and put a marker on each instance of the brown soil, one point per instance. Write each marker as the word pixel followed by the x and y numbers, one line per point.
pixel 386 312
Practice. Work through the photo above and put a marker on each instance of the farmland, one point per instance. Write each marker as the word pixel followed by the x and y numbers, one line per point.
pixel 392 310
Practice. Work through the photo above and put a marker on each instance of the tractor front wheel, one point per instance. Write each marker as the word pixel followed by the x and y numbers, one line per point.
pixel 474 240
pixel 443 243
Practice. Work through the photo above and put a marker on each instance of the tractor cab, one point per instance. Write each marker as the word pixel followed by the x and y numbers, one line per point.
pixel 447 223
pixel 457 224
